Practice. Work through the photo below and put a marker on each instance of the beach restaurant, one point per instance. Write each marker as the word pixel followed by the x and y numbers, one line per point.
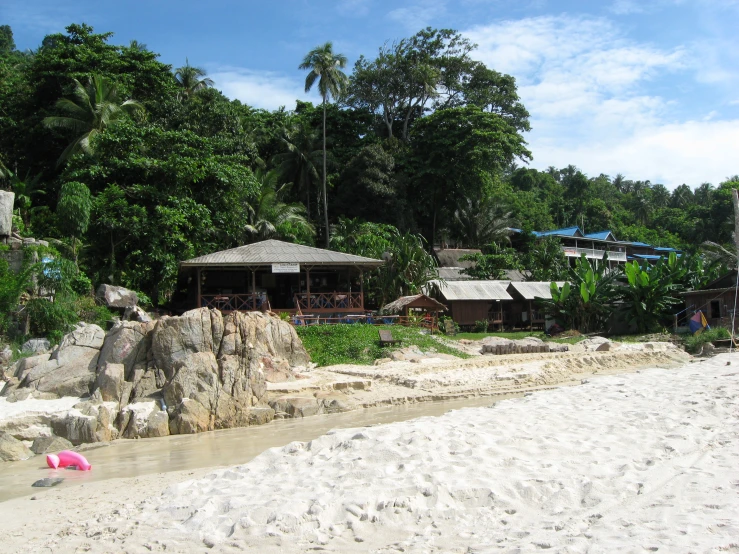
pixel 277 276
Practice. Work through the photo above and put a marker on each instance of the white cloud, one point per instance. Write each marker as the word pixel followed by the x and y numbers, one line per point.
pixel 692 152
pixel 419 15
pixel 587 88
pixel 261 89
pixel 353 8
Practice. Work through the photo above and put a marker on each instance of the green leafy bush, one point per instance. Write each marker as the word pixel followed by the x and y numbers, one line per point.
pixel 694 343
pixel 481 326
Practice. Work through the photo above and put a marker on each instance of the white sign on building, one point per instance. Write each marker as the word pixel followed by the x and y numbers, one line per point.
pixel 285 268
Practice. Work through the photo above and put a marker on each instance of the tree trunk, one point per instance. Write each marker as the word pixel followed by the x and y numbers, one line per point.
pixel 325 199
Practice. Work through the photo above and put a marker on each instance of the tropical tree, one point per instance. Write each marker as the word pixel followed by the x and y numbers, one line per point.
pixel 325 67
pixel 297 163
pixel 191 80
pixel 480 221
pixel 268 217
pixel 25 189
pixel 492 262
pixel 73 211
pixel 89 111
pixel 546 260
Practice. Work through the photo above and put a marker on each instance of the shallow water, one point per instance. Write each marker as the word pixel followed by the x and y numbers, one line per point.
pixel 132 458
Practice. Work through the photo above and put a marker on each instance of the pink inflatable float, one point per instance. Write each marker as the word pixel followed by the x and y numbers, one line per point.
pixel 68 458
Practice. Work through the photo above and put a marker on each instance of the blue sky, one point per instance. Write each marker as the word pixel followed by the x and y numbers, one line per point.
pixel 647 88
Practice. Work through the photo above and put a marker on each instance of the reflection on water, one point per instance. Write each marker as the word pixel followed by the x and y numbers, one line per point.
pixel 131 458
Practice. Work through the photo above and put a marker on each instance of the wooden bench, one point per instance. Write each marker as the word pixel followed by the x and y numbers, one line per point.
pixel 386 337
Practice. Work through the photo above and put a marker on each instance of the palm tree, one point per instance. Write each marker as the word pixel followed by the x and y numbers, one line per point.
pixel 269 217
pixel 90 109
pixel 191 79
pixel 325 67
pixel 298 162
pixel 479 222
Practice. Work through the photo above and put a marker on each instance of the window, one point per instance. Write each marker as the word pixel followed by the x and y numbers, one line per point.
pixel 715 309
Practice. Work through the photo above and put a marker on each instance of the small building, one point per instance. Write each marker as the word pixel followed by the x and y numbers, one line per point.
pixel 407 306
pixel 274 275
pixel 715 300
pixel 503 304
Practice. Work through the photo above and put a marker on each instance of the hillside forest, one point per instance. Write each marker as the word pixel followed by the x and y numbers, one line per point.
pixel 128 165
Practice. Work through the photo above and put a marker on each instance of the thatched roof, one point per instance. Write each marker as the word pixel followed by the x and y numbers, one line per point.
pixel 415 301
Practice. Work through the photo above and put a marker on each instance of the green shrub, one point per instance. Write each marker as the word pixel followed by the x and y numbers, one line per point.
pixel 693 343
pixel 481 326
pixel 81 284
pixel 51 319
pixel 89 311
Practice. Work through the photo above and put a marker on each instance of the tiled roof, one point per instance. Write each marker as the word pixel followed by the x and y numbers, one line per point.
pixel 275 251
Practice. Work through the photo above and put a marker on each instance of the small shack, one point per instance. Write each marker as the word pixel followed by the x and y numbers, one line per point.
pixel 524 310
pixel 406 305
pixel 715 300
pixel 472 301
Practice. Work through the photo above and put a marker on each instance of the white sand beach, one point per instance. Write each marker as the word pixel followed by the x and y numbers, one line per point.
pixel 641 462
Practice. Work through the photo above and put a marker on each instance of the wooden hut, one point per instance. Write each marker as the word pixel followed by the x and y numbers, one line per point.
pixel 275 275
pixel 404 305
pixel 715 300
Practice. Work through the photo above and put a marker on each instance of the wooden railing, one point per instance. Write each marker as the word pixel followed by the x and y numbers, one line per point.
pixel 593 253
pixel 250 302
pixel 322 302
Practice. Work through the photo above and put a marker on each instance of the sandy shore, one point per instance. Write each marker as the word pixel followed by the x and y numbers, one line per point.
pixel 641 462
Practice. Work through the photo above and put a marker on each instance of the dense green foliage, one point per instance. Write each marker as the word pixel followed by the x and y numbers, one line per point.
pixel 421 147
pixel 359 344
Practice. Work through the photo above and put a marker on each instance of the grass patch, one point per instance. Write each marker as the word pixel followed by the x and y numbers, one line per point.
pixel 359 344
pixel 693 343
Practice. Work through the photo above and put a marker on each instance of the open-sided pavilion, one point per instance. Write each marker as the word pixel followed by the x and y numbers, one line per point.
pixel 278 276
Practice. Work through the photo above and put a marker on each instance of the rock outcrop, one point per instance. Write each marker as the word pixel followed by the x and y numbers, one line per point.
pixel 197 372
pixel 6 213
pixel 11 449
pixel 116 297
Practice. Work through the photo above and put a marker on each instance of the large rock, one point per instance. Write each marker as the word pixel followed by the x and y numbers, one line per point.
pixel 42 445
pixel 598 344
pixel 143 420
pixel 87 422
pixel 116 297
pixel 36 345
pixel 6 213
pixel 134 313
pixel 218 362
pixel 74 377
pixel 127 343
pixel 11 449
pixel 110 382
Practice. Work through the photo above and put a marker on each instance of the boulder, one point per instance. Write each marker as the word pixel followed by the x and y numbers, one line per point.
pixel 36 345
pixel 134 313
pixel 110 382
pixel 42 445
pixel 116 297
pixel 143 420
pixel 24 365
pixel 74 377
pixel 86 422
pixel 297 406
pixel 334 402
pixel 190 417
pixel 598 344
pixel 11 449
pixel 6 213
pixel 127 343
pixel 6 354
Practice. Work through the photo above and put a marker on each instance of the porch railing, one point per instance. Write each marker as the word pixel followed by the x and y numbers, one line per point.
pixel 593 253
pixel 249 302
pixel 329 301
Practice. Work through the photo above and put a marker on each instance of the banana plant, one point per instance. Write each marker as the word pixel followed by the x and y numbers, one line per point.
pixel 586 300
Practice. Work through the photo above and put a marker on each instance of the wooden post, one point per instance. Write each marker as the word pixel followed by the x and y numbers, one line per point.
pixel 361 289
pixel 531 318
pixel 307 288
pixel 200 303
